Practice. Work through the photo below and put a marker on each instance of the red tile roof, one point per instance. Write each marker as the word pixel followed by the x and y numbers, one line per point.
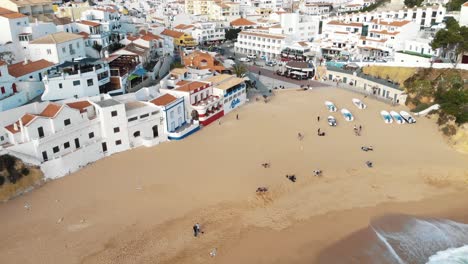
pixel 172 33
pixel 80 105
pixel 164 100
pixel 89 23
pixel 84 34
pixel 191 86
pixel 339 23
pixel 242 22
pixel 10 14
pixel 25 120
pixel 2 63
pixel 149 37
pixel 51 110
pixel 20 69
pixel 183 26
pixel 393 23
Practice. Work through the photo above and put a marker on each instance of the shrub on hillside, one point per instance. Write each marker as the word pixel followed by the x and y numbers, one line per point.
pixel 14 176
pixel 2 180
pixel 449 130
pixel 8 162
pixel 420 107
pixel 25 171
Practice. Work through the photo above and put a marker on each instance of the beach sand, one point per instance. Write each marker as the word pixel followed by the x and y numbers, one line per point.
pixel 139 206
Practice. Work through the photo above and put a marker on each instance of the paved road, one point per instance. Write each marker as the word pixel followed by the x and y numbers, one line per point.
pixel 273 75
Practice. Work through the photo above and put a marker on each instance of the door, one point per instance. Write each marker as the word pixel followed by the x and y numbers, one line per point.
pixel 155 131
pixel 77 142
pixel 104 147
pixel 180 121
pixel 44 155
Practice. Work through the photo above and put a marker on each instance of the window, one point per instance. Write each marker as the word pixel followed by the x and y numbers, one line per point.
pixel 114 113
pixel 132 119
pixel 116 129
pixel 78 45
pixel 90 82
pixel 145 115
pixel 154 113
pixel 67 122
pixel 76 83
pixel 56 149
pixel 60 85
pixel 49 52
pixel 66 144
pixel 91 135
pixel 179 110
pixel 136 134
pixel 64 50
pixel 172 114
pixel 118 142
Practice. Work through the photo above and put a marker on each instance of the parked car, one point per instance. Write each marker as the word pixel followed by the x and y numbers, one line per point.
pixel 244 59
pixel 270 63
pixel 252 56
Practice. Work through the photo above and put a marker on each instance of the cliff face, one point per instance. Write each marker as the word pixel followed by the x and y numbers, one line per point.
pixel 460 139
pixel 17 177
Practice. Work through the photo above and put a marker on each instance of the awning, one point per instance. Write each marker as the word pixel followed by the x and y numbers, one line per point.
pixel 133 76
pixel 298 73
pixel 139 72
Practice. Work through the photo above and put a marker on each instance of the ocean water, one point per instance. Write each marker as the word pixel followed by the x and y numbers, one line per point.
pixel 402 239
pixel 415 240
pixel 450 256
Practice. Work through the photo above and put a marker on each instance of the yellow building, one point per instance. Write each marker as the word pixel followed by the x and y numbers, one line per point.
pixel 180 39
pixel 74 12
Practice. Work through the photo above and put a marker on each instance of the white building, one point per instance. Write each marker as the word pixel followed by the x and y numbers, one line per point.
pixel 12 25
pixel 269 45
pixel 423 16
pixel 231 89
pixel 204 32
pixel 312 9
pixel 76 80
pixel 464 15
pixel 58 47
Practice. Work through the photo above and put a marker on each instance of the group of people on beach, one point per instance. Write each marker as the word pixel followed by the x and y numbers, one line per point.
pixel 357 130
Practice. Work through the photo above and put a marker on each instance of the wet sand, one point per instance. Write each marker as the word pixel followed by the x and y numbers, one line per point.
pixel 139 206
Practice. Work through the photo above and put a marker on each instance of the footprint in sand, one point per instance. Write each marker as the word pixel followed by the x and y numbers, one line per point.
pixel 352 172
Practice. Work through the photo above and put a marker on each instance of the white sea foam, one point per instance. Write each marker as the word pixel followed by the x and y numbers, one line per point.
pixel 450 256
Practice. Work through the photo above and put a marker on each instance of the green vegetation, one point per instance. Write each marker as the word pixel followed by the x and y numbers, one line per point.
pixel 239 70
pixel 16 177
pixel 177 65
pixel 115 46
pixel 97 47
pixel 444 87
pixel 416 54
pixel 455 5
pixel 231 34
pixel 452 38
pixel 413 3
pixel 12 169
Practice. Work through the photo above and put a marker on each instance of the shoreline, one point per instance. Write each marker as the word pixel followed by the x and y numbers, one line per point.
pixel 328 240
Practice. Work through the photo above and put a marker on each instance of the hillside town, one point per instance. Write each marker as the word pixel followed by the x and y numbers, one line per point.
pixel 81 80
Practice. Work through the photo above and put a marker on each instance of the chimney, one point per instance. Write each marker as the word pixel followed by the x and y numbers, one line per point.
pixel 37 22
pixel 15 126
pixel 106 54
pixel 25 60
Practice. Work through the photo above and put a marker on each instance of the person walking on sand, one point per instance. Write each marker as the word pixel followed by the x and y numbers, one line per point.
pixel 360 128
pixel 318 132
pixel 237 116
pixel 318 118
pixel 195 230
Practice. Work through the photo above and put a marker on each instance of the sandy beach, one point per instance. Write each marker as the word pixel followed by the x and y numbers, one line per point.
pixel 139 206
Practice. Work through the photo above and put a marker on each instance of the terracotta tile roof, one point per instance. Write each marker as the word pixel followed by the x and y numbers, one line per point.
pixel 61 20
pixel 385 32
pixel 393 23
pixel 184 26
pixel 163 100
pixel 191 86
pixel 20 69
pixel 302 43
pixel 84 34
pixel 132 38
pixel 222 5
pixel 339 23
pixel 51 110
pixel 465 4
pixel 80 105
pixel 59 37
pixel 172 33
pixel 180 83
pixel 149 37
pixel 276 26
pixel 242 22
pixel 261 35
pixel 10 14
pixel 2 63
pixel 89 23
pixel 26 119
